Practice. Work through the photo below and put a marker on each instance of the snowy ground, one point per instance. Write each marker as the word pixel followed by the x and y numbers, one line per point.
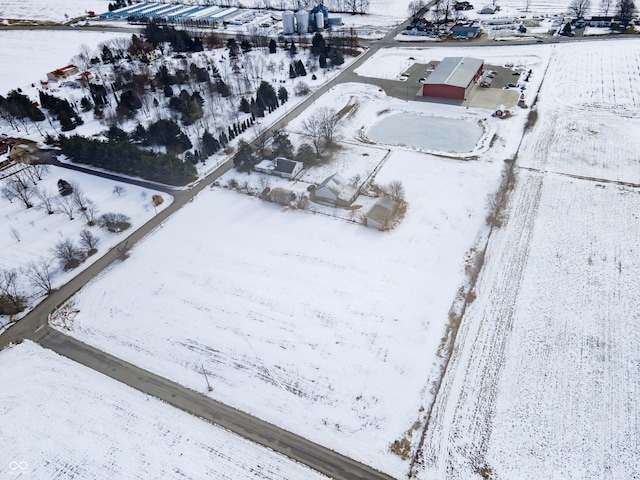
pixel 49 10
pixel 26 235
pixel 47 50
pixel 366 310
pixel 61 420
pixel 545 381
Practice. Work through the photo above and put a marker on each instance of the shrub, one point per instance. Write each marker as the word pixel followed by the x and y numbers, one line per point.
pixel 157 200
pixel 114 222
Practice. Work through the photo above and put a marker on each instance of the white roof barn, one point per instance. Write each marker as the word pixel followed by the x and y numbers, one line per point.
pixel 336 190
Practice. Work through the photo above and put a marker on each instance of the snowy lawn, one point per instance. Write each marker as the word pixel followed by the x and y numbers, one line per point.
pixel 61 420
pixel 26 235
pixel 544 382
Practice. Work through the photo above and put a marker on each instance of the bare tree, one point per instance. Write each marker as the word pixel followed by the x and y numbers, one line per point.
pixel 40 274
pixel 260 138
pixel 79 198
pixel 67 253
pixel 16 189
pixel 579 8
pixel 118 190
pixel 90 211
pixel 414 7
pixel 626 9
pixel 605 6
pixel 330 124
pixel 527 4
pixel 11 298
pixel 395 190
pixel 88 240
pixel 312 129
pixel 46 199
pixel 66 206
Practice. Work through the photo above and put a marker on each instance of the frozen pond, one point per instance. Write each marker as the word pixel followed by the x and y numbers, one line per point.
pixel 432 133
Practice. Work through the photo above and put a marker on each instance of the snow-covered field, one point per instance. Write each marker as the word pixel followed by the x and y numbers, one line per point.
pixel 257 289
pixel 544 383
pixel 49 10
pixel 61 420
pixel 33 53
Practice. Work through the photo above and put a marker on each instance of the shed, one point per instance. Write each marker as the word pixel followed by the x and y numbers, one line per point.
pixel 453 78
pixel 381 213
pixel 281 196
pixel 461 31
pixel 336 190
pixel 489 9
pixel 280 166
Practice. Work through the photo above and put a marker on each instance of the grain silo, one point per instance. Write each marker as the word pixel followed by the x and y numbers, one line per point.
pixel 288 23
pixel 302 19
pixel 319 21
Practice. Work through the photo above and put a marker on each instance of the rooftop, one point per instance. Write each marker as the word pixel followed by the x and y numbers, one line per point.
pixel 455 71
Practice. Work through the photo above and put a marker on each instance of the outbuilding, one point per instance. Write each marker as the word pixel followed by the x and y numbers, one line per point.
pixel 381 213
pixel 335 190
pixel 453 78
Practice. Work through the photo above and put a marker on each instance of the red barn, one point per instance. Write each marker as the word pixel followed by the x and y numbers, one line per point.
pixel 453 78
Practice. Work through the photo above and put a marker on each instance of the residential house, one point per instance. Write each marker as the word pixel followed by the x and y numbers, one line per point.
pixel 336 191
pixel 280 166
pixel 461 31
pixel 601 22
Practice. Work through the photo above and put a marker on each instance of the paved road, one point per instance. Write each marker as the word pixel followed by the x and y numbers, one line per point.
pixel 317 457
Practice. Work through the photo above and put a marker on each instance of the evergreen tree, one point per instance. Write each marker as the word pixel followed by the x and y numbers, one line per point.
pixel 300 70
pixel 318 45
pixel 272 46
pixel 292 72
pixel 282 146
pixel 209 144
pixel 293 49
pixel 323 60
pixel 245 107
pixel 283 95
pixel 267 95
pixel 244 158
pixel 246 46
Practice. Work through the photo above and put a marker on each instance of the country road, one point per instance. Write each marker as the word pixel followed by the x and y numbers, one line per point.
pixel 34 326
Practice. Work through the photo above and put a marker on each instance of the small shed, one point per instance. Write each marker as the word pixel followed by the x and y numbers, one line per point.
pixel 335 190
pixel 280 166
pixel 501 111
pixel 489 9
pixel 381 213
pixel 281 196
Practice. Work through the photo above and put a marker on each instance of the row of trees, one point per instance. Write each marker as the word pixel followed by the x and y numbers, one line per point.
pixel 625 10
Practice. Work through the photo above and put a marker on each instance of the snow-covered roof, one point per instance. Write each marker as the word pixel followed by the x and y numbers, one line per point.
pixel 456 71
pixel 339 186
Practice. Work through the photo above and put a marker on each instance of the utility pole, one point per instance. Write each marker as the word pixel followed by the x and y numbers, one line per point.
pixel 205 377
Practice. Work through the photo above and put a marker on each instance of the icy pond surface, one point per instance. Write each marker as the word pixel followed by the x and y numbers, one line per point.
pixel 433 133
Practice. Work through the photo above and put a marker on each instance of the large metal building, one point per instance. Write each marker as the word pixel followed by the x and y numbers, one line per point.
pixel 453 78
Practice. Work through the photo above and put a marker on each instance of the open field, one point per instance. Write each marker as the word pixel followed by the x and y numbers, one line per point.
pixel 61 420
pixel 253 290
pixel 544 379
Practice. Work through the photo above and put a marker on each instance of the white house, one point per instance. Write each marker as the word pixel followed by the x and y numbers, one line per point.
pixel 381 213
pixel 336 190
pixel 281 167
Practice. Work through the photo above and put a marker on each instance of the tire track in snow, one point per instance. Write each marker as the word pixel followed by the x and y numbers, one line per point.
pixel 460 424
